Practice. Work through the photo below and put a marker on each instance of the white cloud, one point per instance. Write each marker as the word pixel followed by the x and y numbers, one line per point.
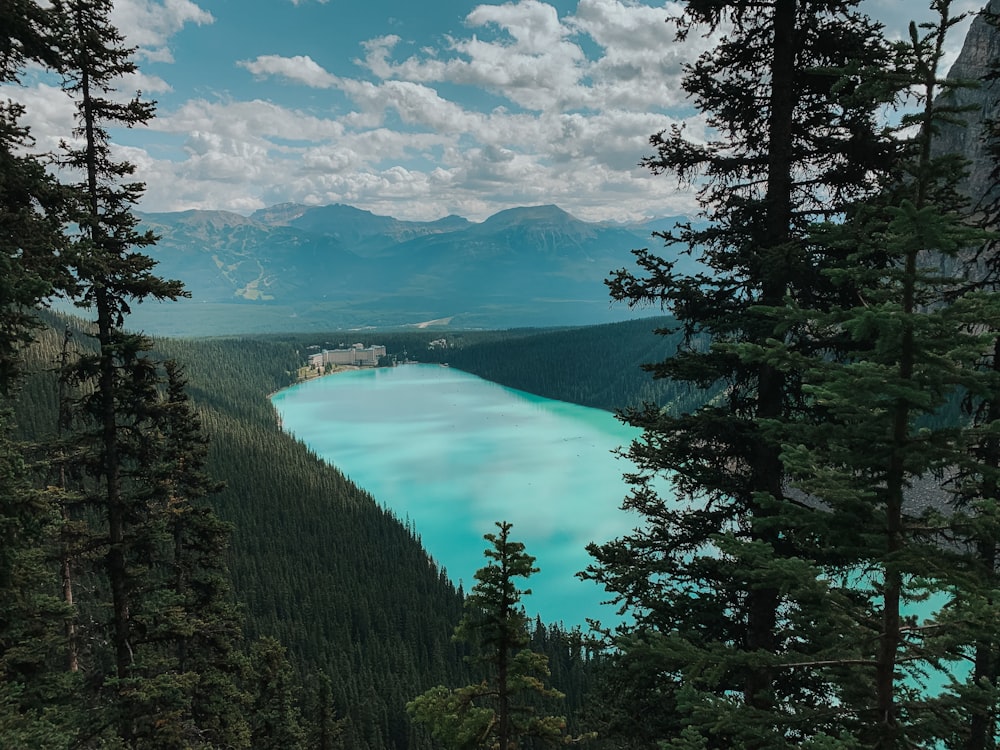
pixel 534 26
pixel 532 63
pixel 299 69
pixel 252 119
pixel 147 84
pixel 50 113
pixel 149 24
pixel 537 61
pixel 572 134
pixel 571 103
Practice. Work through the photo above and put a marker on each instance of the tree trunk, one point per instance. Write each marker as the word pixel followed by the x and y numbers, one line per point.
pixel 767 474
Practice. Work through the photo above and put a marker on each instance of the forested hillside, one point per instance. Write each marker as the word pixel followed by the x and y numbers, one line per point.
pixel 599 366
pixel 175 571
pixel 316 562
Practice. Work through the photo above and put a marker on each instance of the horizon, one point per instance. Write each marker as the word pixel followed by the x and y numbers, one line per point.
pixel 249 215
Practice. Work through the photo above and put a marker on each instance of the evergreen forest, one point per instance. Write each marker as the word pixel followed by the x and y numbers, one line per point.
pixel 823 402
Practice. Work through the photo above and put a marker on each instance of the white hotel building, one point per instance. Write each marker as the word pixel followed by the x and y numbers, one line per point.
pixel 357 355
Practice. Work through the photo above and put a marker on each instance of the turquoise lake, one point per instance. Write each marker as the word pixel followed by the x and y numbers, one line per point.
pixel 452 453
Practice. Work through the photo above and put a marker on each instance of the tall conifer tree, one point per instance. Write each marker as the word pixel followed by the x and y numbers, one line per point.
pixel 172 630
pixel 877 463
pixel 500 711
pixel 34 696
pixel 201 631
pixel 722 583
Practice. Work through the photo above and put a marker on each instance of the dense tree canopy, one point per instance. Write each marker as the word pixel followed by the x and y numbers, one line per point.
pixel 769 591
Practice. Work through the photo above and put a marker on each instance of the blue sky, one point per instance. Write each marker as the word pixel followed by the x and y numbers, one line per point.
pixel 410 109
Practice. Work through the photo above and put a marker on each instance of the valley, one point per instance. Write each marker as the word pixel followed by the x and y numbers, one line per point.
pixel 785 492
pixel 300 268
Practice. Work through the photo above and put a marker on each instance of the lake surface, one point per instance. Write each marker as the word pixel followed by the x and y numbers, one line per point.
pixel 453 453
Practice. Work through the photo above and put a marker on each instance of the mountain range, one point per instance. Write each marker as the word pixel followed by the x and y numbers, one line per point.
pixel 300 267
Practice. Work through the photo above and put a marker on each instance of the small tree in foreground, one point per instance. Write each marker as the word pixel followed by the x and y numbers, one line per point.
pixel 501 709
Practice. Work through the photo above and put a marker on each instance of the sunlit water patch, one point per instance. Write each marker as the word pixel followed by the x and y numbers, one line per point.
pixel 453 453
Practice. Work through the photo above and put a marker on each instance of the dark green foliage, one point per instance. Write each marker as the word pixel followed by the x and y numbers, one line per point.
pixel 35 697
pixel 723 592
pixel 325 730
pixel 315 561
pixel 498 712
pixel 598 366
pixel 32 205
pixel 913 339
pixel 136 464
pixel 118 626
pixel 812 501
pixel 137 643
pixel 275 720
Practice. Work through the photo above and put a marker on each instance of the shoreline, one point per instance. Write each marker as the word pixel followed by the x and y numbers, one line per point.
pixel 340 369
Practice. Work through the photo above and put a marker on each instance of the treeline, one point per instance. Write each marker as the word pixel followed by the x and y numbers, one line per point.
pixel 598 366
pixel 602 366
pixel 322 566
pixel 787 589
pixel 316 564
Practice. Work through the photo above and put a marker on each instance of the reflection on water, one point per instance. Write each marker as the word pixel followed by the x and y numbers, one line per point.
pixel 453 453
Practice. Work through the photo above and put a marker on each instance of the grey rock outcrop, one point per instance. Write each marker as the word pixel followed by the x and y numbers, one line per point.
pixel 980 51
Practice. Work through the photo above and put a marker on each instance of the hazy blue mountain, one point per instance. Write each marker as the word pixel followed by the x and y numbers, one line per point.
pixel 365 233
pixel 299 267
pixel 225 257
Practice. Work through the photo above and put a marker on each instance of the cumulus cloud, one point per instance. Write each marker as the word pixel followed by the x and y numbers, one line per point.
pixel 571 129
pixel 146 84
pixel 50 113
pixel 253 121
pixel 298 69
pixel 532 62
pixel 536 60
pixel 522 105
pixel 149 24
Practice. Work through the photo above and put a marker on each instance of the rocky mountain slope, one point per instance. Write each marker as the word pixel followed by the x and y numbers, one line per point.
pixel 978 103
pixel 292 266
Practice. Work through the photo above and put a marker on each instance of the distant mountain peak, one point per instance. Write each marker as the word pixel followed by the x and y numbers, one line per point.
pixel 196 217
pixel 279 214
pixel 548 211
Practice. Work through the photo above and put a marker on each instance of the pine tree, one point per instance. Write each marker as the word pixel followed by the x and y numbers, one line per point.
pixel 499 712
pixel 202 630
pixel 721 595
pixel 323 730
pixel 35 696
pixel 31 202
pixel 120 416
pixel 873 460
pixel 275 719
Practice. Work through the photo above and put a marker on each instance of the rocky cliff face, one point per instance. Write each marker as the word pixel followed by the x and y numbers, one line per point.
pixel 980 51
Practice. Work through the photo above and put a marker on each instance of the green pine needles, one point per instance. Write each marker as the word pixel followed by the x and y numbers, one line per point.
pixel 501 711
pixel 825 492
